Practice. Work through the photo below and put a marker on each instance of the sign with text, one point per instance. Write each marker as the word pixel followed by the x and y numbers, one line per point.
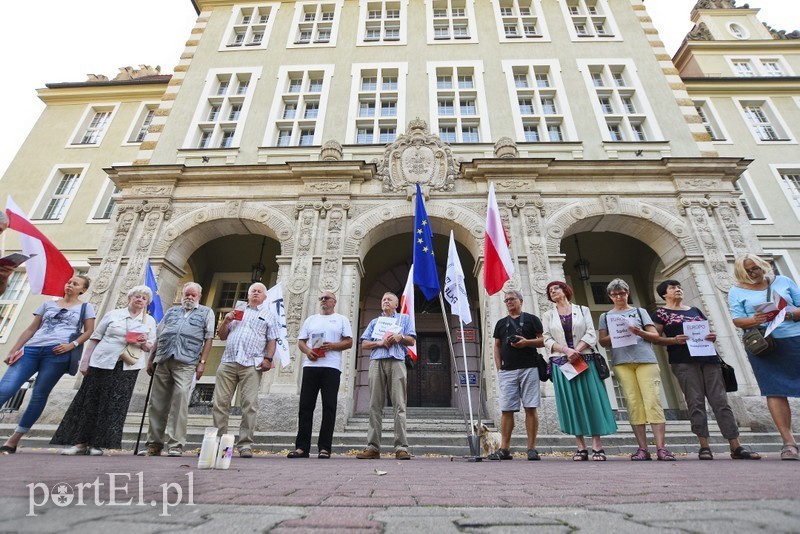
pixel 473 379
pixel 697 343
pixel 619 330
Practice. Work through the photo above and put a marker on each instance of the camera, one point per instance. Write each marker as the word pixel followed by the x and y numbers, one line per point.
pixel 512 338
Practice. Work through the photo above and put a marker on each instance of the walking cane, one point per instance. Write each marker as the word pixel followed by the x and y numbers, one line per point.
pixel 144 412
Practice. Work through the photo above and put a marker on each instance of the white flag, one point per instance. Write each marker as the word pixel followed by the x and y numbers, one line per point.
pixel 276 306
pixel 454 291
pixel 407 307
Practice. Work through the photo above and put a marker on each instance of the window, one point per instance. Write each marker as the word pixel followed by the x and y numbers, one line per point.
pixel 450 21
pixel 382 22
pixel 538 109
pixel 447 134
pixel 375 110
pixel 458 105
pixel 388 108
pixel 366 108
pixel 743 69
pixel 364 136
pixel 11 302
pixel 750 199
pixel 221 114
pixel 622 110
pixel 738 31
pixel 106 202
pixel 143 121
pixel 759 66
pixel 589 19
pixel 94 125
pixel 249 25
pixel 763 121
pixel 388 135
pixel 709 120
pixel 58 193
pixel 771 68
pixel 299 111
pixel 315 24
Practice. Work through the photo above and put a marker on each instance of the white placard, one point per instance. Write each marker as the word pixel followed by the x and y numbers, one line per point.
pixel 618 329
pixel 697 343
pixel 382 325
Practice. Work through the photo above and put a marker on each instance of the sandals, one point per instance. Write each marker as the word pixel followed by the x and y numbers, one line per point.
pixel 664 455
pixel 641 455
pixel 5 449
pixel 297 454
pixel 533 455
pixel 501 454
pixel 324 455
pixel 705 453
pixel 740 453
pixel 580 456
pixel 598 456
pixel 788 452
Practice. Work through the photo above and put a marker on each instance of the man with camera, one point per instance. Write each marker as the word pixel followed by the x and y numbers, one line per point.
pixel 516 338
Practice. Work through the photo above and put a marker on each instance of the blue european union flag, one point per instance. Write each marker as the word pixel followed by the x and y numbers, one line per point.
pixel 154 308
pixel 425 275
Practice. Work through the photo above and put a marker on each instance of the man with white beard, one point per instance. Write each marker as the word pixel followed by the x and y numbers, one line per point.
pixel 185 335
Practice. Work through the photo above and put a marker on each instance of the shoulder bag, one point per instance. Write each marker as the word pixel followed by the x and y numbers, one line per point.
pixel 600 363
pixel 754 339
pixel 76 353
pixel 728 376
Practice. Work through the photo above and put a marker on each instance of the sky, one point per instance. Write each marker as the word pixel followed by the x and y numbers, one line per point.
pixel 70 39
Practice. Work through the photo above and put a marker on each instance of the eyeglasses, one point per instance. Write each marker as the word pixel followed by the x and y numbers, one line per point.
pixel 326 298
pixel 510 299
pixel 617 295
pixel 753 269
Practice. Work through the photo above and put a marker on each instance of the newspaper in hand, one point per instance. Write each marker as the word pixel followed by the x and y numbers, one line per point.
pixel 315 344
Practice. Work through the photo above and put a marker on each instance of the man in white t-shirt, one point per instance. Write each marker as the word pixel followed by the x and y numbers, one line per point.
pixel 322 339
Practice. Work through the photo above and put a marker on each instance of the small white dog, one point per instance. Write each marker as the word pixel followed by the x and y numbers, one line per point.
pixel 490 441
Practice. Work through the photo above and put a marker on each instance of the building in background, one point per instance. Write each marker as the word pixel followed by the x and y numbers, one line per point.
pixel 288 142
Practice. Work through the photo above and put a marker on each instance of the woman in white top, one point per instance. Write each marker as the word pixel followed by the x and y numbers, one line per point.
pixel 114 355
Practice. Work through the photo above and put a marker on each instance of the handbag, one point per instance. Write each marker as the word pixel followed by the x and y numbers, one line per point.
pixel 544 369
pixel 76 353
pixel 601 365
pixel 728 376
pixel 754 339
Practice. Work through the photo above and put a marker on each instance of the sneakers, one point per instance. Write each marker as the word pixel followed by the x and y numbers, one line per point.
pixel 75 451
pixel 369 454
pixel 501 454
pixel 95 451
pixel 175 451
pixel 246 453
pixel 402 455
pixel 153 450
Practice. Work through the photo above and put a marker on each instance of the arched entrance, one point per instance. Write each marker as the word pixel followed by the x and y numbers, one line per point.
pixel 386 267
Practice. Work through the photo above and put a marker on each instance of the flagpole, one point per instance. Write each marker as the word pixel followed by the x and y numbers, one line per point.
pixel 466 369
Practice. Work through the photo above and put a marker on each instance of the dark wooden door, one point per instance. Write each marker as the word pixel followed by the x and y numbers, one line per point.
pixel 429 383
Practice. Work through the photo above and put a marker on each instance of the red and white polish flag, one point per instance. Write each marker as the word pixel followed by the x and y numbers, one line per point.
pixel 407 307
pixel 497 264
pixel 48 270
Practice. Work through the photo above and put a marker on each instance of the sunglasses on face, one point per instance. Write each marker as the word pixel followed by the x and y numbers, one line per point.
pixel 322 299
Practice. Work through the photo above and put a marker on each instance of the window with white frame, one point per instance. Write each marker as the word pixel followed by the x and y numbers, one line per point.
pixel 221 113
pixel 519 20
pixel 298 111
pixel 58 193
pixel 377 103
pixel 759 66
pixel 11 302
pixel 451 21
pixel 790 182
pixel 315 24
pixel 589 20
pixel 94 125
pixel 458 102
pixel 764 123
pixel 750 200
pixel 709 119
pixel 143 121
pixel 622 109
pixel 250 26
pixel 382 22
pixel 106 202
pixel 743 69
pixel 538 102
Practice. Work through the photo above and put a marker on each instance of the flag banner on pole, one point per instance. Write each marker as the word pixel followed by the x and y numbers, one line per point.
pixel 155 308
pixel 48 269
pixel 425 275
pixel 454 291
pixel 276 306
pixel 407 307
pixel 497 265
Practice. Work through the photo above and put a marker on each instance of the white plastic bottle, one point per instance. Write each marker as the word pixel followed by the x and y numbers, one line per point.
pixel 224 452
pixel 208 450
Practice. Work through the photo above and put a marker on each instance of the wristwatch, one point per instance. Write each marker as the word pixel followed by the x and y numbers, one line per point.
pixel 203 362
pixel 76 344
pixel 268 359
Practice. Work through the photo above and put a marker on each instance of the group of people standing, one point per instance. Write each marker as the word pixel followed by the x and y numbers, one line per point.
pixel 567 333
pixel 175 353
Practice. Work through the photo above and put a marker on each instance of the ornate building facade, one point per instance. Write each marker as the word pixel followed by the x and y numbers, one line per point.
pixel 292 135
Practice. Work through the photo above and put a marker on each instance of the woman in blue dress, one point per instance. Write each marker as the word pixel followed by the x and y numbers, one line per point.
pixel 778 371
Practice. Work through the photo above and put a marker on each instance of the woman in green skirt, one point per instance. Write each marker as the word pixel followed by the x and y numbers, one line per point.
pixel 582 402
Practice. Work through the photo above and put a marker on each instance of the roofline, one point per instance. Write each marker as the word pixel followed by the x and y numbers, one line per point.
pixel 150 80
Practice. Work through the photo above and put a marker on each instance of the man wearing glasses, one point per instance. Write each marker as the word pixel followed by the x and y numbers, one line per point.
pixel 322 339
pixel 516 338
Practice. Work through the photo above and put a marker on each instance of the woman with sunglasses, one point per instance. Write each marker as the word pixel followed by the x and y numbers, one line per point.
pixel 778 371
pixel 47 349
pixel 636 369
pixel 114 355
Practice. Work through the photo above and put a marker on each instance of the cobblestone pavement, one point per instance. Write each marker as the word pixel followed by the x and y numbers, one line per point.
pixel 45 492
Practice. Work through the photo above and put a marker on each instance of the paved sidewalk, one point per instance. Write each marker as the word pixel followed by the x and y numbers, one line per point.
pixel 270 493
